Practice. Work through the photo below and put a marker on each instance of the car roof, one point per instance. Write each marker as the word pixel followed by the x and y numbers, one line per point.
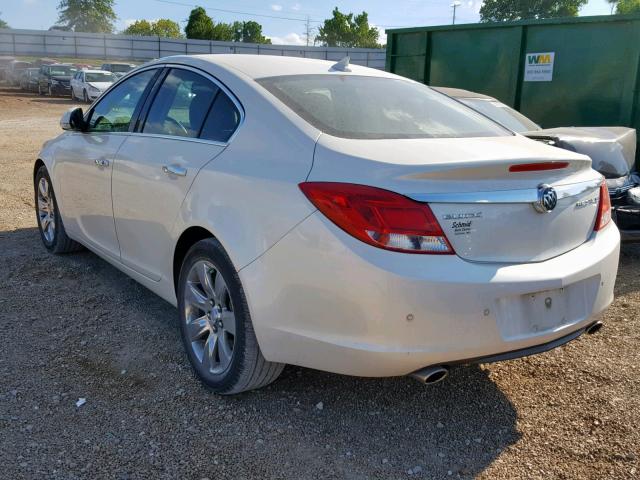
pixel 460 93
pixel 95 71
pixel 260 66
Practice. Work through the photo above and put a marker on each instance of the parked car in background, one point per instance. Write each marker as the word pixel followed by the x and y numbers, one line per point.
pixel 14 72
pixel 5 61
pixel 87 85
pixel 331 216
pixel 612 151
pixel 29 79
pixel 119 69
pixel 55 79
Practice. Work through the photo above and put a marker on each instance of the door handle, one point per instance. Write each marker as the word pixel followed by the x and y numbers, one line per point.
pixel 101 162
pixel 174 170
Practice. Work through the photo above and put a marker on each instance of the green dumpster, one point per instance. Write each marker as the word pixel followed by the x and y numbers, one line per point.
pixel 582 71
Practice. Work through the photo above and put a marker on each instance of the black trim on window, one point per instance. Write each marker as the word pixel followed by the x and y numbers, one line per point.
pixel 148 95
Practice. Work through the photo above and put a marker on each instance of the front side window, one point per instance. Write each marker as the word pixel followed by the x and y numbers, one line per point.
pixel 114 112
pixel 361 107
pixel 181 105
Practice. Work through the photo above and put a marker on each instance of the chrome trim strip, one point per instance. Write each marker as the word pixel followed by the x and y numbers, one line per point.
pixel 506 196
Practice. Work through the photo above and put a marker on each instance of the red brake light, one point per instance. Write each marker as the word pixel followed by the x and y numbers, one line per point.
pixel 538 167
pixel 604 208
pixel 379 217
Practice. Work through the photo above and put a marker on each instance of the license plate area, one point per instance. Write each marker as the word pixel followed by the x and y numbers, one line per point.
pixel 545 311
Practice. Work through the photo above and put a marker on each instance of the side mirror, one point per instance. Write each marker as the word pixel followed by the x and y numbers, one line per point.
pixel 73 119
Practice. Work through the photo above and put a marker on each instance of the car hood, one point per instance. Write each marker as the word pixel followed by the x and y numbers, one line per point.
pixel 63 78
pixel 100 85
pixel 612 149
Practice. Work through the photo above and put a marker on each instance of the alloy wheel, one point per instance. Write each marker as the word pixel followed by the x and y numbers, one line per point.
pixel 46 210
pixel 209 316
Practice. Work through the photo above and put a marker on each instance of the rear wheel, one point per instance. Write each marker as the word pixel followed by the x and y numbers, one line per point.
pixel 52 232
pixel 216 326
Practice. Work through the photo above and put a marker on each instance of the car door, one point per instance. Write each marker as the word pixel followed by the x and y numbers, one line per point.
pixel 155 167
pixel 84 163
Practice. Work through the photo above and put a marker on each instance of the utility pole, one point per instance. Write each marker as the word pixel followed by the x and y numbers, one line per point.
pixel 455 5
pixel 307 30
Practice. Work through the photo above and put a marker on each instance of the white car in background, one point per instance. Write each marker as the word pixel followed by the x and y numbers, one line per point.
pixel 331 216
pixel 87 85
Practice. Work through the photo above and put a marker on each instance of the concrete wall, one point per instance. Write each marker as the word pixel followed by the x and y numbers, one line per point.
pixel 124 47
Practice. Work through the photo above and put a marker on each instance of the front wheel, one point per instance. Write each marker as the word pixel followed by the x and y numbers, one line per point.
pixel 215 324
pixel 52 232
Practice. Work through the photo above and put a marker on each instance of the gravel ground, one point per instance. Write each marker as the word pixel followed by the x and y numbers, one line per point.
pixel 74 327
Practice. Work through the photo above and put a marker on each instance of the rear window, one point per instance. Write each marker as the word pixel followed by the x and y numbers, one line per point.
pixel 352 106
pixel 502 114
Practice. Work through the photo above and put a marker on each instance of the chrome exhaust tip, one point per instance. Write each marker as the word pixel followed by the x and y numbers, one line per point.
pixel 431 375
pixel 594 327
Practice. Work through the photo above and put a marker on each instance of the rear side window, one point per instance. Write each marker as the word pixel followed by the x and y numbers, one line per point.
pixel 222 121
pixel 354 106
pixel 181 105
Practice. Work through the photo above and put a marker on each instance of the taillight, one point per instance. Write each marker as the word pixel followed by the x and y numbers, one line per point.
pixel 604 208
pixel 538 166
pixel 379 217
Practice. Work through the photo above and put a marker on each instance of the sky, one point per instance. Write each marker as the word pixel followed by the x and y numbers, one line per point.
pixel 289 29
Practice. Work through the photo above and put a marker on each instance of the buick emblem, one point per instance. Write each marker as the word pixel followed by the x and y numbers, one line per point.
pixel 547 199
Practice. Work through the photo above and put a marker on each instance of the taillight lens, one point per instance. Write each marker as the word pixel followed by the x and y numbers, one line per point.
pixel 379 217
pixel 604 208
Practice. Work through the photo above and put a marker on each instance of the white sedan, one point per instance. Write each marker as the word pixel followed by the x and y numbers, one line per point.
pixel 87 85
pixel 330 216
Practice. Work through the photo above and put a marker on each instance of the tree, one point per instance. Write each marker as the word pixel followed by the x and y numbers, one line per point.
pixel 139 27
pixel 347 30
pixel 199 25
pixel 625 7
pixel 3 24
pixel 505 10
pixel 249 32
pixel 166 28
pixel 161 28
pixel 222 32
pixel 95 16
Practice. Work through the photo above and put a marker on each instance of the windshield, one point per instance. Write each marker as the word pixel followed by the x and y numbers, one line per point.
pixel 120 68
pixel 99 77
pixel 351 106
pixel 502 114
pixel 62 71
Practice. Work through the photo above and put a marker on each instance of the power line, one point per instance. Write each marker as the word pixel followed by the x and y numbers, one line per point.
pixel 251 14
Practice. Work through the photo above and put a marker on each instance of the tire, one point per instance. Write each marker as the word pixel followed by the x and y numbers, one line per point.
pixel 55 240
pixel 245 368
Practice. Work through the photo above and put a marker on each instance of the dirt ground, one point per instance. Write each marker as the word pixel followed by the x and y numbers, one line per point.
pixel 74 327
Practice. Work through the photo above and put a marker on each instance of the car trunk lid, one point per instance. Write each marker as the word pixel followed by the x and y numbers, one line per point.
pixel 487 210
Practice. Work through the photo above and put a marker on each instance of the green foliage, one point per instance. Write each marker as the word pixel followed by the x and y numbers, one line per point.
pixel 249 32
pixel 347 30
pixel 96 16
pixel 160 28
pixel 199 25
pixel 506 10
pixel 626 7
pixel 3 24
pixel 139 27
pixel 166 28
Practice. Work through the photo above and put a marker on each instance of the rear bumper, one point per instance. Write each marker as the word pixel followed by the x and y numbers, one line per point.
pixel 321 299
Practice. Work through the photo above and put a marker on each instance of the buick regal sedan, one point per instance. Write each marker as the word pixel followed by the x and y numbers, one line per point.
pixel 329 216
